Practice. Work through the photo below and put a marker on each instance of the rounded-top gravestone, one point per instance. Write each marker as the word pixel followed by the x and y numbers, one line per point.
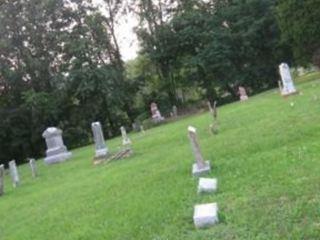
pixel 56 150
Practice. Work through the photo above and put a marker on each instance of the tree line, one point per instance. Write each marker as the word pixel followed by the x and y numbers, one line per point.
pixel 61 65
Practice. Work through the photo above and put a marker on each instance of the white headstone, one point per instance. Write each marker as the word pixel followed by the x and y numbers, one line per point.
pixel 56 150
pixel 207 185
pixel 1 179
pixel 205 215
pixel 287 82
pixel 33 167
pixel 101 149
pixel 125 139
pixel 200 166
pixel 14 173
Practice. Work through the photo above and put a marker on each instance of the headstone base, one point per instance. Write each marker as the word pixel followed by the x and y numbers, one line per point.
pixel 287 94
pixel 207 185
pixel 196 171
pixel 101 153
pixel 205 215
pixel 57 158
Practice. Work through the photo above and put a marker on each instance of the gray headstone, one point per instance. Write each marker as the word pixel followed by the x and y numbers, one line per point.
pixel 1 179
pixel 125 139
pixel 101 149
pixel 14 173
pixel 56 150
pixel 200 166
pixel 33 167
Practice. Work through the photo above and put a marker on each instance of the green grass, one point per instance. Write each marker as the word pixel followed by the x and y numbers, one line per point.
pixel 266 158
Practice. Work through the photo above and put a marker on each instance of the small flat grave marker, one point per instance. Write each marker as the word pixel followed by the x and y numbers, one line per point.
pixel 205 215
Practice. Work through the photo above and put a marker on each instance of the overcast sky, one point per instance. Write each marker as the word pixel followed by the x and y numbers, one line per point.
pixel 126 37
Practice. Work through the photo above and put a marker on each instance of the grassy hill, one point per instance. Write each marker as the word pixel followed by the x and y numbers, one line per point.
pixel 266 158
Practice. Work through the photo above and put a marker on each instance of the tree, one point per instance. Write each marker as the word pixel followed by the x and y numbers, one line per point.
pixel 299 21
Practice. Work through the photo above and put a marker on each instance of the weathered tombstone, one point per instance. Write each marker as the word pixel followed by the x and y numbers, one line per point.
pixel 33 167
pixel 210 107
pixel 200 166
pixel 101 150
pixel 56 150
pixel 156 115
pixel 214 126
pixel 1 179
pixel 287 82
pixel 205 215
pixel 175 111
pixel 142 129
pixel 125 139
pixel 207 185
pixel 243 94
pixel 14 173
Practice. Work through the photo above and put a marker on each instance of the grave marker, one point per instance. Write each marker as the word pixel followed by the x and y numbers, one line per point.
pixel 14 173
pixel 200 166
pixel 1 179
pixel 33 167
pixel 101 150
pixel 287 87
pixel 56 150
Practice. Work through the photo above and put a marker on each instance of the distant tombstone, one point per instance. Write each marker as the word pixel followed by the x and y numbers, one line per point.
pixel 125 139
pixel 14 173
pixel 210 107
pixel 200 166
pixel 287 82
pixel 142 129
pixel 214 111
pixel 174 111
pixel 243 94
pixel 56 150
pixel 155 113
pixel 1 179
pixel 33 167
pixel 101 150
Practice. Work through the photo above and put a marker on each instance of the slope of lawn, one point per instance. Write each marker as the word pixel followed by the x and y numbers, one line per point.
pixel 266 158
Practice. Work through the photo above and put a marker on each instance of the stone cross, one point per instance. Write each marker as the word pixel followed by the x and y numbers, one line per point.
pixel 14 173
pixel 1 179
pixel 100 145
pixel 125 139
pixel 33 167
pixel 287 82
pixel 56 150
pixel 200 165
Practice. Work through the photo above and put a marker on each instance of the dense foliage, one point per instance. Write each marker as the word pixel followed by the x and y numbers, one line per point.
pixel 60 62
pixel 299 22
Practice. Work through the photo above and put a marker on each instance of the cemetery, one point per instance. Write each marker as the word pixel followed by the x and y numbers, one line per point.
pixel 159 119
pixel 267 185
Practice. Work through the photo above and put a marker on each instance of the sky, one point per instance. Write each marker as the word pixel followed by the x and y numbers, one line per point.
pixel 126 37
